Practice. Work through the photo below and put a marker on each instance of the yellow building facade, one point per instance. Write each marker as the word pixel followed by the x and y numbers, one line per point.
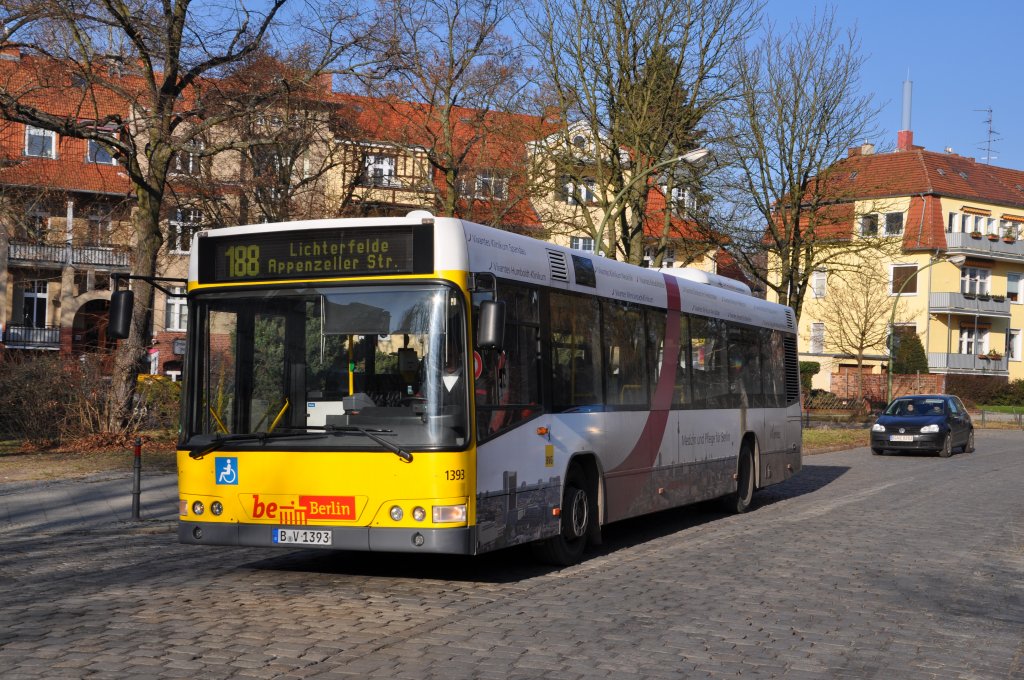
pixel 948 268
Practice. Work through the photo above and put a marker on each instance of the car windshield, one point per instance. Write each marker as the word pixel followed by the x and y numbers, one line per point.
pixel 916 407
pixel 390 360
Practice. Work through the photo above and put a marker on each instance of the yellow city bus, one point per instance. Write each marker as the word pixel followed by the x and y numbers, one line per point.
pixel 425 384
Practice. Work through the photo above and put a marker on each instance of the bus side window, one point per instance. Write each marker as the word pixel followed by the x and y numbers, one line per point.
pixel 575 358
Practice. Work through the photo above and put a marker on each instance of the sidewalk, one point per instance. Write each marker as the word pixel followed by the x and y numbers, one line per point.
pixel 88 503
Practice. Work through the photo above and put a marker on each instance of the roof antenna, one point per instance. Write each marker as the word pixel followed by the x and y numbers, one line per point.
pixel 988 157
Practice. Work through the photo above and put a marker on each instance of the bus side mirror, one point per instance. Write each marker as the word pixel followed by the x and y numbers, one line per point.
pixel 490 331
pixel 121 303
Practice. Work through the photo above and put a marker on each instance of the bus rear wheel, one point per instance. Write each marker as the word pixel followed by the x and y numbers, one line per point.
pixel 739 501
pixel 577 514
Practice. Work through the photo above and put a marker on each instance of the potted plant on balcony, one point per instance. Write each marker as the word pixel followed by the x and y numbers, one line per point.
pixel 1009 235
pixel 976 234
pixel 994 355
pixel 993 237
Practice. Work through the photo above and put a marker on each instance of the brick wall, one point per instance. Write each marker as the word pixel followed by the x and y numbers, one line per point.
pixel 875 385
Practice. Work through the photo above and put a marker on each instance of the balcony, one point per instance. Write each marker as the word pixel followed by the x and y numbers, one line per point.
pixel 31 337
pixel 963 303
pixel 998 249
pixel 35 254
pixel 940 362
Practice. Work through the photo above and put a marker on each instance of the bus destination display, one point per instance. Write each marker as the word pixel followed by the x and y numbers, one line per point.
pixel 315 254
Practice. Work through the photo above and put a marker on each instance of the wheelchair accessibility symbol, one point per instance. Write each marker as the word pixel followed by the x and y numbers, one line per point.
pixel 226 470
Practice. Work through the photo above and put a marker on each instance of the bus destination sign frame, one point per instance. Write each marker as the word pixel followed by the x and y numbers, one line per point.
pixel 327 253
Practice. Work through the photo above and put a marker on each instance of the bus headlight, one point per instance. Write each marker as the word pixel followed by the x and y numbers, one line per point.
pixel 443 514
pixel 216 507
pixel 419 514
pixel 197 507
pixel 396 513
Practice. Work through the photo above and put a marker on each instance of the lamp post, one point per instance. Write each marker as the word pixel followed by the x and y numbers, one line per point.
pixel 955 260
pixel 696 158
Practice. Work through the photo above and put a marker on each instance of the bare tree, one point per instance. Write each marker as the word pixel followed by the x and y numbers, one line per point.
pixel 636 80
pixel 855 308
pixel 798 113
pixel 455 85
pixel 131 76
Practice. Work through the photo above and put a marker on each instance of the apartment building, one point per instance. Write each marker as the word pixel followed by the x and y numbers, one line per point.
pixel 953 277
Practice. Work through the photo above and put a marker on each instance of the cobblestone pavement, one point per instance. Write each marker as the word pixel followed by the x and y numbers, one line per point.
pixel 860 567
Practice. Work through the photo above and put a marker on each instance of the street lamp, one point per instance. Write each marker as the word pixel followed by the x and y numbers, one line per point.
pixel 955 260
pixel 696 158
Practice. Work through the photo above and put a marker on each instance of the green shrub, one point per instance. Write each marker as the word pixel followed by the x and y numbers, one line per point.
pixel 976 389
pixel 910 356
pixel 808 369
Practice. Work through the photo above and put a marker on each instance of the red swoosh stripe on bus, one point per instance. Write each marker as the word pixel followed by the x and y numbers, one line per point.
pixel 646 448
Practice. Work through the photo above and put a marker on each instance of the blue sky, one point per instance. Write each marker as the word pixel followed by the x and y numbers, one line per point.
pixel 962 57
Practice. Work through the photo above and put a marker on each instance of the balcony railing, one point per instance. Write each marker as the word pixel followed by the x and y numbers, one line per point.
pixel 965 243
pixel 967 363
pixel 962 303
pixel 32 337
pixel 41 253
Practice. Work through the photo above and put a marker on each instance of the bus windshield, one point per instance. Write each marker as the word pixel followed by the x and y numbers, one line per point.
pixel 305 362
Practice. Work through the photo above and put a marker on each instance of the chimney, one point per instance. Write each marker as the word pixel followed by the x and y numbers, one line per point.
pixel 905 136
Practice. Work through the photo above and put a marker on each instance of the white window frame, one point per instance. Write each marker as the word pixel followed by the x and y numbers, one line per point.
pixel 176 311
pixel 582 243
pixel 490 185
pixel 1018 277
pixel 185 222
pixel 33 292
pixel 575 191
pixel 30 132
pixel 99 222
pixel 819 283
pixel 866 220
pixel 380 170
pixel 973 340
pixel 1013 344
pixel 892 278
pixel 817 343
pixel 975 280
pixel 188 160
pixel 891 217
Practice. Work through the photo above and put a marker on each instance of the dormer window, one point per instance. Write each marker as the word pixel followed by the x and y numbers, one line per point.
pixel 869 225
pixel 893 224
pixel 40 143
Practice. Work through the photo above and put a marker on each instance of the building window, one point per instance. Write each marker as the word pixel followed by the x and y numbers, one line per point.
pixel 869 225
pixel 973 340
pixel 683 199
pixel 1013 287
pixel 953 222
pixel 176 311
pixel 40 143
pixel 584 243
pixel 579 192
pixel 183 224
pixel 187 161
pixel 1013 346
pixel 486 185
pixel 817 338
pixel 98 153
pixel 819 280
pixel 34 299
pixel 98 226
pixel 667 259
pixel 893 224
pixel 37 224
pixel 379 171
pixel 904 276
pixel 975 280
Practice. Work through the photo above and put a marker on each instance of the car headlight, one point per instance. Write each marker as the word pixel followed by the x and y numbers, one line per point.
pixel 928 429
pixel 877 427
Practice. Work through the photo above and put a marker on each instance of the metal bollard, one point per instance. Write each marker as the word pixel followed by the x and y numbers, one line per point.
pixel 137 478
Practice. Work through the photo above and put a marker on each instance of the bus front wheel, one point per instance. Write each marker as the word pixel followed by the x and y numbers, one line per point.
pixel 576 517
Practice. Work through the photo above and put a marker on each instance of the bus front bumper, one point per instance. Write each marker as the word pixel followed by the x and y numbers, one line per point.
pixel 454 541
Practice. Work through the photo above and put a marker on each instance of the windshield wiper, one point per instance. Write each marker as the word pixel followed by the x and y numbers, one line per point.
pixel 312 430
pixel 199 451
pixel 372 434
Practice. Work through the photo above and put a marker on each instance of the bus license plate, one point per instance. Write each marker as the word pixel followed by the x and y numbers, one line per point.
pixel 302 537
pixel 901 437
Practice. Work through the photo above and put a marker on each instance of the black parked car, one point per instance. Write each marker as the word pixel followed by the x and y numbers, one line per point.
pixel 923 422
